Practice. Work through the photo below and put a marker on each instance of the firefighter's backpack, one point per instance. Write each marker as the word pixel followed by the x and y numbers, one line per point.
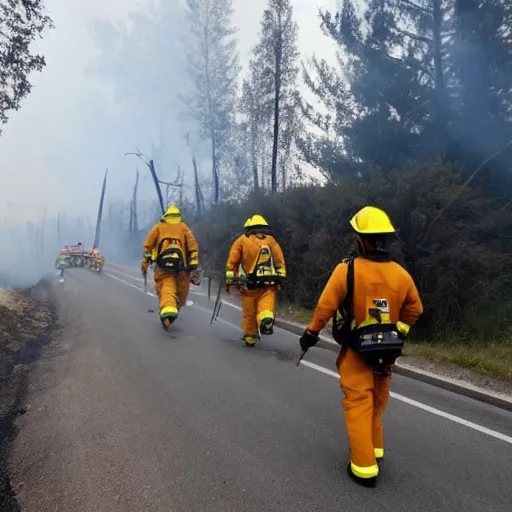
pixel 379 343
pixel 170 255
pixel 264 271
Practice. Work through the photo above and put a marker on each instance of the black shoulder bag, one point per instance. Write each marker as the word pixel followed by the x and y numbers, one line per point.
pixel 341 329
pixel 378 344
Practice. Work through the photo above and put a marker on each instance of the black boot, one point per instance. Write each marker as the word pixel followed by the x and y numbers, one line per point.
pixel 365 482
pixel 267 326
pixel 250 339
pixel 166 322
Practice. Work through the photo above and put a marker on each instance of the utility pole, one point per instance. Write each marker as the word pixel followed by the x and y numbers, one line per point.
pixel 100 211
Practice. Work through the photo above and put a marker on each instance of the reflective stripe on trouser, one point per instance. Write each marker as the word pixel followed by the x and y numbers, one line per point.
pixel 366 396
pixel 256 305
pixel 166 287
pixel 250 339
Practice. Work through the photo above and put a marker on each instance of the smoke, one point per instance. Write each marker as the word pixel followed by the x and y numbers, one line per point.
pixel 29 250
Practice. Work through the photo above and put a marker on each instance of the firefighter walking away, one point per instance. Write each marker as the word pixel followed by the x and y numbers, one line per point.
pixel 257 263
pixel 171 245
pixel 378 303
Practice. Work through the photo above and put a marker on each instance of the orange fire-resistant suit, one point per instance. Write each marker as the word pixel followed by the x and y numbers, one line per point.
pixel 366 393
pixel 258 304
pixel 172 288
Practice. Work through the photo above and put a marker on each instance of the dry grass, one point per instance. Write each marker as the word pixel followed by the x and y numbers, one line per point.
pixel 293 313
pixel 489 359
pixel 13 300
pixel 22 318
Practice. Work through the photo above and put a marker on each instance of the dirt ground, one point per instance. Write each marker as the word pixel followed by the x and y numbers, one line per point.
pixel 26 318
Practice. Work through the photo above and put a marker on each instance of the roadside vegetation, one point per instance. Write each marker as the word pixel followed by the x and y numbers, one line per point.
pixel 413 116
pixel 26 319
pixel 405 126
pixel 463 269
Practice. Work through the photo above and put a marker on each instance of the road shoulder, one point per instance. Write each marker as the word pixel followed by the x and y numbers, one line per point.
pixel 446 376
pixel 450 377
pixel 26 321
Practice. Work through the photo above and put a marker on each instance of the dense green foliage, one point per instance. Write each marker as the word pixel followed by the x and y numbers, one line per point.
pixel 461 261
pixel 415 80
pixel 21 23
pixel 417 119
pixel 414 116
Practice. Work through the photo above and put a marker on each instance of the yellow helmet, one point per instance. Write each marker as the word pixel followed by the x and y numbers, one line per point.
pixel 247 222
pixel 256 220
pixel 172 215
pixel 371 221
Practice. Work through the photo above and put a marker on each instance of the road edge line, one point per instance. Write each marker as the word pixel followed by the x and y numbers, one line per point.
pixel 411 373
pixel 425 407
pixel 405 371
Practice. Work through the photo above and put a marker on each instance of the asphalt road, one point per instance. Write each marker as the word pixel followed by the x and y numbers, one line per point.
pixel 125 417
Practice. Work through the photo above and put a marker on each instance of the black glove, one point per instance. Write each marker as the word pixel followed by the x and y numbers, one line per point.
pixel 308 339
pixel 383 371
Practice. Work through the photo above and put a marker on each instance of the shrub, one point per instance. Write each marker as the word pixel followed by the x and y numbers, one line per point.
pixel 458 254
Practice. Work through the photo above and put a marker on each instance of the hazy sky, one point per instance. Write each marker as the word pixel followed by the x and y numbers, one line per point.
pixel 52 152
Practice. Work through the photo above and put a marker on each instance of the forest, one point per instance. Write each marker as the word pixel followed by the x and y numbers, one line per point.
pixel 414 115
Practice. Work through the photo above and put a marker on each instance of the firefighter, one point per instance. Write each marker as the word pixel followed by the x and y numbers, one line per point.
pixel 62 262
pixel 379 303
pixel 177 260
pixel 257 261
pixel 97 259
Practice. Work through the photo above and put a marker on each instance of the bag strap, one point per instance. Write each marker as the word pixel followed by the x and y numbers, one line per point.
pixel 346 305
pixel 341 332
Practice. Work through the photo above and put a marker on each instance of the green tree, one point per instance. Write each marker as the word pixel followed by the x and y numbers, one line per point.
pixel 482 61
pixel 251 127
pixel 21 23
pixel 275 59
pixel 213 70
pixel 387 95
pixel 415 79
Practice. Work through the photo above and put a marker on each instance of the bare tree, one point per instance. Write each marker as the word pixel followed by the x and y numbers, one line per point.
pixel 197 190
pixel 151 166
pixel 134 224
pixel 100 212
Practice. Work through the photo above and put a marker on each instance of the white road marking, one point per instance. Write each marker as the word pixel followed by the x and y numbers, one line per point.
pixel 401 398
pixel 135 278
pixel 428 408
pixel 129 284
pixel 218 319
